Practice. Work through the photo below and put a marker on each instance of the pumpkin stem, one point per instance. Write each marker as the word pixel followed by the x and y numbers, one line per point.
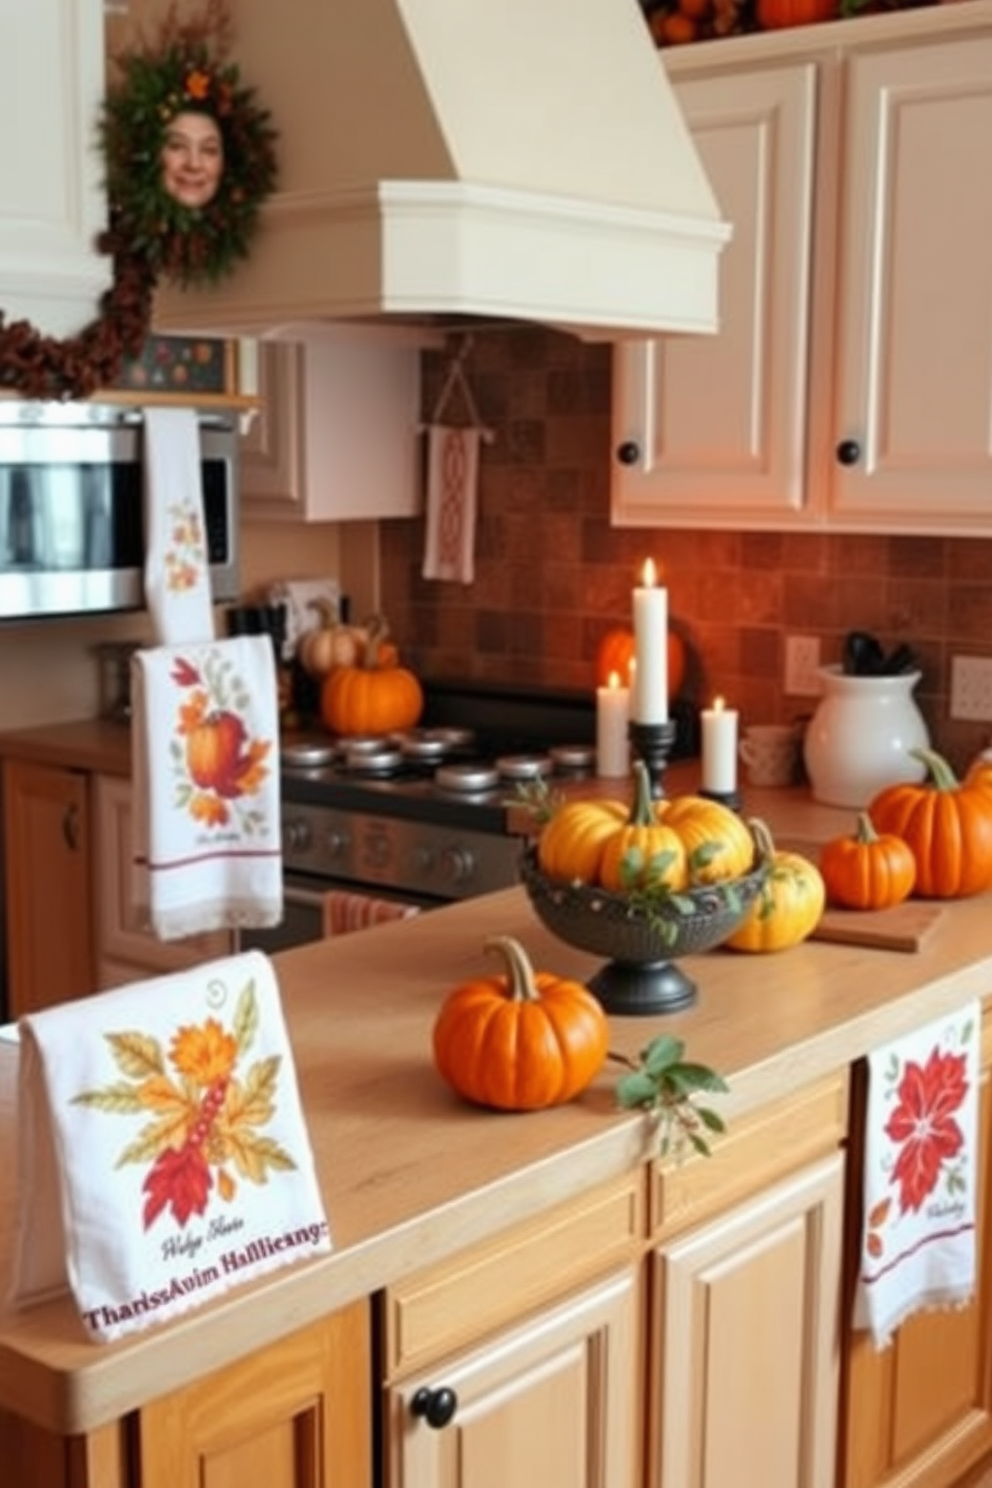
pixel 642 812
pixel 520 973
pixel 864 831
pixel 326 610
pixel 378 632
pixel 763 839
pixel 940 772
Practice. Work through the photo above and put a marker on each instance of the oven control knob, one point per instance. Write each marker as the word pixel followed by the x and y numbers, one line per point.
pixel 299 838
pixel 425 859
pixel 459 864
pixel 335 843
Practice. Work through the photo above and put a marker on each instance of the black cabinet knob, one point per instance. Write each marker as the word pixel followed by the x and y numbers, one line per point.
pixel 629 452
pixel 435 1406
pixel 849 452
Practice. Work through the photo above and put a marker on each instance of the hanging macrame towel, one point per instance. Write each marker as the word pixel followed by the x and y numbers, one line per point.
pixel 920 1174
pixel 177 570
pixel 163 1155
pixel 452 482
pixel 205 768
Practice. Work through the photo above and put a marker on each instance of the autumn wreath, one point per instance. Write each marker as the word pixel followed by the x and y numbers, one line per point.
pixel 152 234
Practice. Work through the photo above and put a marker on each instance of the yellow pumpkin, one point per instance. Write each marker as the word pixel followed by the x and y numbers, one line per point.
pixel 331 644
pixel 718 842
pixel 644 853
pixel 572 843
pixel 789 904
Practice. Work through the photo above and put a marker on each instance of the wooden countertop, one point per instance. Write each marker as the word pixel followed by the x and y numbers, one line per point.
pixel 91 744
pixel 411 1175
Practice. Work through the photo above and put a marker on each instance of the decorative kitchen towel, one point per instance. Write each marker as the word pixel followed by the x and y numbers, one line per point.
pixel 452 478
pixel 177 570
pixel 204 742
pixel 163 1155
pixel 344 911
pixel 918 1245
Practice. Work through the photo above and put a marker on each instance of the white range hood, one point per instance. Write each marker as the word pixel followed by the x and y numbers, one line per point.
pixel 515 159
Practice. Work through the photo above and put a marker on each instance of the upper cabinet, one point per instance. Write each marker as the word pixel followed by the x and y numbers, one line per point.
pixel 850 385
pixel 336 436
pixel 51 197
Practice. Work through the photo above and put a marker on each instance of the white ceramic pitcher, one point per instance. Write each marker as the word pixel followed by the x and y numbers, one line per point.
pixel 859 738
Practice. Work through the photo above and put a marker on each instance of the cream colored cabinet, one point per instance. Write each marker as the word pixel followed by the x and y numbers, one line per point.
pixel 919 1413
pixel 743 1357
pixel 520 1361
pixel 126 949
pixel 47 831
pixel 850 383
pixel 336 437
pixel 51 199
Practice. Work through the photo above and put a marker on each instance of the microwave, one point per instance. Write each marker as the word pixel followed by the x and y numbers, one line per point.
pixel 72 508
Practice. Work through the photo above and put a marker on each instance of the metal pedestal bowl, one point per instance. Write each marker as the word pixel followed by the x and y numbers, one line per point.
pixel 641 942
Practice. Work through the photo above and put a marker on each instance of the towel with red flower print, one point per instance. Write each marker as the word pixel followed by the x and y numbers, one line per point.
pixel 918 1243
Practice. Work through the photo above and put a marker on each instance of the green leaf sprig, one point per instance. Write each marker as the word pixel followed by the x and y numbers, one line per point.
pixel 663 1083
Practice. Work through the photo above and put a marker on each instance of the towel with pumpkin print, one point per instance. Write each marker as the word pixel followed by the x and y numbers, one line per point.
pixel 177 571
pixel 163 1156
pixel 205 768
pixel 918 1245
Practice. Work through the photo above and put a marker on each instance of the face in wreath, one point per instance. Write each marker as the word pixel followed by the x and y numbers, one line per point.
pixel 192 159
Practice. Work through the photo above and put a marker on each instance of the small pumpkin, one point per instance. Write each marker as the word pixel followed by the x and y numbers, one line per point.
pixel 571 844
pixel 331 643
pixel 616 651
pixel 867 869
pixel 789 904
pixel 520 1041
pixel 773 15
pixel 718 842
pixel 370 698
pixel 947 825
pixel 644 853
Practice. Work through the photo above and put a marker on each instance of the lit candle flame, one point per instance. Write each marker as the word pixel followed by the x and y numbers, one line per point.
pixel 649 574
pixel 718 705
pixel 613 680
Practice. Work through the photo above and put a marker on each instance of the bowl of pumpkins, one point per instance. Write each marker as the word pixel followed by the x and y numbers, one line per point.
pixel 643 885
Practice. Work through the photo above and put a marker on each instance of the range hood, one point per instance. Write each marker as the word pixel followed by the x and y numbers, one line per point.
pixel 520 160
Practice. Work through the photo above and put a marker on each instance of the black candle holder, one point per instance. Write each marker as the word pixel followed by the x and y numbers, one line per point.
pixel 653 743
pixel 731 798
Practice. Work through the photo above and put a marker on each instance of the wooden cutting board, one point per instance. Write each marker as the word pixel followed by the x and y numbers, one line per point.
pixel 904 927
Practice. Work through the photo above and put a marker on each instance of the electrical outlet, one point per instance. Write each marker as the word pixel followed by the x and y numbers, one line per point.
pixel 802 661
pixel 971 688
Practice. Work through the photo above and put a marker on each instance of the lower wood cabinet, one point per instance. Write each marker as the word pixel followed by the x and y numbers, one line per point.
pixel 919 1413
pixel 744 1341
pixel 47 887
pixel 552 1404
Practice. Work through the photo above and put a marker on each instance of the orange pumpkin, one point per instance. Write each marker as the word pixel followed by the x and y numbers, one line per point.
pixel 521 1041
pixel 615 653
pixel 947 824
pixel 867 869
pixel 371 698
pixel 772 15
pixel 214 752
pixel 572 843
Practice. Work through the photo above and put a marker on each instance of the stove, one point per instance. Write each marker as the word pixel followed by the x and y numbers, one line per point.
pixel 422 816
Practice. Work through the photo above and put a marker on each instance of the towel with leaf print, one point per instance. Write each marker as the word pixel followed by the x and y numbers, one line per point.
pixel 920 1174
pixel 163 1156
pixel 205 771
pixel 177 563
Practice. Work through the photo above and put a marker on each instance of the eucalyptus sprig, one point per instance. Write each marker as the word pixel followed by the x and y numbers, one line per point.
pixel 663 1083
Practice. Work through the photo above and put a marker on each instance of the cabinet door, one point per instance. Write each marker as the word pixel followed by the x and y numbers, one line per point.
pixel 126 949
pixel 47 886
pixel 295 1415
pixel 919 1413
pixel 552 1404
pixel 744 1342
pixel 718 422
pixel 914 356
pixel 51 199
pixel 336 437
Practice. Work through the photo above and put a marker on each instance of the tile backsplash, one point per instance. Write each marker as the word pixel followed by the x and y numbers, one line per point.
pixel 551 574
